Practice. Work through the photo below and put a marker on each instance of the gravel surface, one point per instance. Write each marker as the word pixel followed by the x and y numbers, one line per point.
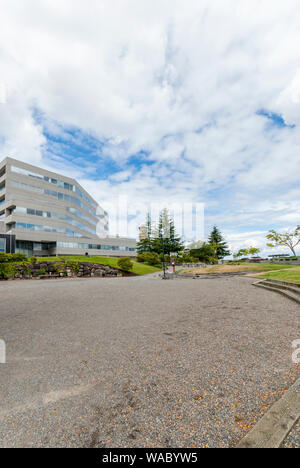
pixel 141 362
pixel 293 440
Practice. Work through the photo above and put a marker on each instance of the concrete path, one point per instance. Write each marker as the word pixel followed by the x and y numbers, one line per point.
pixel 136 362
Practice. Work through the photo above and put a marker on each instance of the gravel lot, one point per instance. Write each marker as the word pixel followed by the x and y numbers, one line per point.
pixel 140 362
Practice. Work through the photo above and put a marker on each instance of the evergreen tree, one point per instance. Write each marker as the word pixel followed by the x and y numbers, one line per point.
pixel 217 241
pixel 145 245
pixel 205 253
pixel 165 238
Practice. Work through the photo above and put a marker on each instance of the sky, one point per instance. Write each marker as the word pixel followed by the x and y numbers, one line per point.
pixel 164 102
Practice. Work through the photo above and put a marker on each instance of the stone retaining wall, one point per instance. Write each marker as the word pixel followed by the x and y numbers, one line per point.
pixel 47 270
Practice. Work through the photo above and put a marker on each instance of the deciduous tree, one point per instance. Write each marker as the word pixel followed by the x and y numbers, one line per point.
pixel 288 239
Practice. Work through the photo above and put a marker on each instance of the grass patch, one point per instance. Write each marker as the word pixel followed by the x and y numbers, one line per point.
pixel 244 268
pixel 138 268
pixel 291 276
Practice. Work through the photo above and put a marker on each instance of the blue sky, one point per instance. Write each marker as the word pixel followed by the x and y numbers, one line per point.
pixel 163 104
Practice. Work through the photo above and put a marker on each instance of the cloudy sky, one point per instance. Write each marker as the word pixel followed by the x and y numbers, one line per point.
pixel 164 101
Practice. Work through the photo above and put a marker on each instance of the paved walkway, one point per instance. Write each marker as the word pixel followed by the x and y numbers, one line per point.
pixel 132 363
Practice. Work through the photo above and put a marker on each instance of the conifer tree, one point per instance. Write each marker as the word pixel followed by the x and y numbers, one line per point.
pixel 217 241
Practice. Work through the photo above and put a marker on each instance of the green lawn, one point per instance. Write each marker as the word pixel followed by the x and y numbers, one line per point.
pixel 292 275
pixel 138 268
pixel 242 268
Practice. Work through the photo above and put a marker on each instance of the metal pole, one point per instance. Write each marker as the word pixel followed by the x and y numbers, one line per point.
pixel 163 254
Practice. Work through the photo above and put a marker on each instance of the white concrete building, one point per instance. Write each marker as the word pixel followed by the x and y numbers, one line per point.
pixel 43 213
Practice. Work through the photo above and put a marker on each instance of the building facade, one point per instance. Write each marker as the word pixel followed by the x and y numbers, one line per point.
pixel 143 232
pixel 45 214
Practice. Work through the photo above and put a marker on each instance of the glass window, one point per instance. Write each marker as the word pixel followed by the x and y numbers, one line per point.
pixel 2 245
pixel 59 183
pixel 2 171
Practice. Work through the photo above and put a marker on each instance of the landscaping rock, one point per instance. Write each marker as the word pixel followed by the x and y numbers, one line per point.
pixel 44 270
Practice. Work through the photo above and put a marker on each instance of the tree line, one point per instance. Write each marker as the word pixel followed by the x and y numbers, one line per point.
pixel 161 241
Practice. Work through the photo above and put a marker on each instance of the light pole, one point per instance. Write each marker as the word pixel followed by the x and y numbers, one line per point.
pixel 163 257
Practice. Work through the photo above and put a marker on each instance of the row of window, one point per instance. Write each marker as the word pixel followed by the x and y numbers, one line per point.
pixel 2 245
pixel 59 183
pixel 73 245
pixel 48 214
pixel 81 215
pixel 29 247
pixel 104 224
pixel 2 187
pixel 52 193
pixel 35 227
pixel 40 246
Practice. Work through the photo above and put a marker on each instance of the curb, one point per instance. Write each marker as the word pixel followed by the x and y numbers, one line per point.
pixel 276 290
pixel 276 424
pixel 284 283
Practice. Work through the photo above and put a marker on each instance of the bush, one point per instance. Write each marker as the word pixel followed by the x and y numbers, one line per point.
pixel 204 253
pixel 58 267
pixel 186 259
pixel 213 260
pixel 18 257
pixel 140 258
pixel 125 264
pixel 3 258
pixel 153 258
pixel 9 258
pixel 7 270
pixel 74 266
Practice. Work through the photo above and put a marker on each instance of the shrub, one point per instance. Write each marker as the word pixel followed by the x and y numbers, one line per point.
pixel 140 258
pixel 58 267
pixel 18 257
pixel 74 266
pixel 3 258
pixel 9 258
pixel 125 264
pixel 7 270
pixel 212 260
pixel 152 258
pixel 26 268
pixel 32 260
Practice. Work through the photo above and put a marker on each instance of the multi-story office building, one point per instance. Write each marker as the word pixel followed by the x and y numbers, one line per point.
pixel 43 213
pixel 143 232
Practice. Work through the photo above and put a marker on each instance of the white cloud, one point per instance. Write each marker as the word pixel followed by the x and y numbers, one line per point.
pixel 182 81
